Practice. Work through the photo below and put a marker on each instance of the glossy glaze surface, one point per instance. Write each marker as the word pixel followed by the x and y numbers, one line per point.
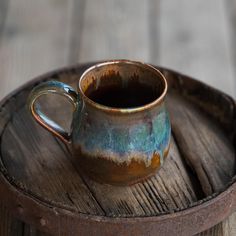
pixel 117 145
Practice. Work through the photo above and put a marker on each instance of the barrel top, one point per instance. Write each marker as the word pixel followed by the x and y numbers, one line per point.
pixel 39 179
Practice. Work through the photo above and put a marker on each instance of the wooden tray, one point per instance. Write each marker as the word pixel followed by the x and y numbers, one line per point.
pixel 193 191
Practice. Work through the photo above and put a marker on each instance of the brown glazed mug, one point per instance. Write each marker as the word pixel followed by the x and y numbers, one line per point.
pixel 120 132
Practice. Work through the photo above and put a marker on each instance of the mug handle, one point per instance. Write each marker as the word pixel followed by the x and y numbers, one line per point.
pixel 52 87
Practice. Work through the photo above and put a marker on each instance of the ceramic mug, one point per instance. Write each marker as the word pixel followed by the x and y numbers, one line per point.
pixel 120 132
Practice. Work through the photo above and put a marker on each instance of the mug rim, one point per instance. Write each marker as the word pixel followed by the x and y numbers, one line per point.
pixel 105 108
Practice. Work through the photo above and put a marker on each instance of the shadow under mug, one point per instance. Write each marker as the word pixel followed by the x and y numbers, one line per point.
pixel 120 132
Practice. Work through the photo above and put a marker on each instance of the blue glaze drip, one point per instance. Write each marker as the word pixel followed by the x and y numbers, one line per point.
pixel 143 137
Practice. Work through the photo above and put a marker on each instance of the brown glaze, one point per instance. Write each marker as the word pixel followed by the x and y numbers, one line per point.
pixel 107 171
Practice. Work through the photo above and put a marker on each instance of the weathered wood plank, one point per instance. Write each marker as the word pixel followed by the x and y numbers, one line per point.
pixel 31 231
pixel 3 12
pixel 35 39
pixel 77 14
pixel 154 31
pixel 230 15
pixel 42 168
pixel 229 225
pixel 8 225
pixel 199 139
pixel 203 144
pixel 194 39
pixel 217 230
pixel 115 29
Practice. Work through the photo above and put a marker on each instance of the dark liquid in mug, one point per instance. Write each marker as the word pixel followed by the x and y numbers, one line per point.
pixel 124 97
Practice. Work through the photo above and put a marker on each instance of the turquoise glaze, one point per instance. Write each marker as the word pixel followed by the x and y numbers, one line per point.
pixel 122 138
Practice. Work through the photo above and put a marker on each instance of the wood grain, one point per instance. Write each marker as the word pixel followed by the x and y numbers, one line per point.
pixel 3 12
pixel 32 231
pixel 204 146
pixel 115 29
pixel 229 226
pixel 43 169
pixel 35 39
pixel 230 15
pixel 210 156
pixel 217 230
pixel 195 40
pixel 8 225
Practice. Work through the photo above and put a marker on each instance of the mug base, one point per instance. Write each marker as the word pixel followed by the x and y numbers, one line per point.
pixel 108 172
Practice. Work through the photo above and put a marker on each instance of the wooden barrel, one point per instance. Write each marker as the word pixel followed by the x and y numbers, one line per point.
pixel 194 190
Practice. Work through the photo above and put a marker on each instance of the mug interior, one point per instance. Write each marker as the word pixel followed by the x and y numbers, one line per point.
pixel 141 82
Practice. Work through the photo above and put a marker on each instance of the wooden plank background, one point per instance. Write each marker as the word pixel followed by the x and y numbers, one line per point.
pixel 194 37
